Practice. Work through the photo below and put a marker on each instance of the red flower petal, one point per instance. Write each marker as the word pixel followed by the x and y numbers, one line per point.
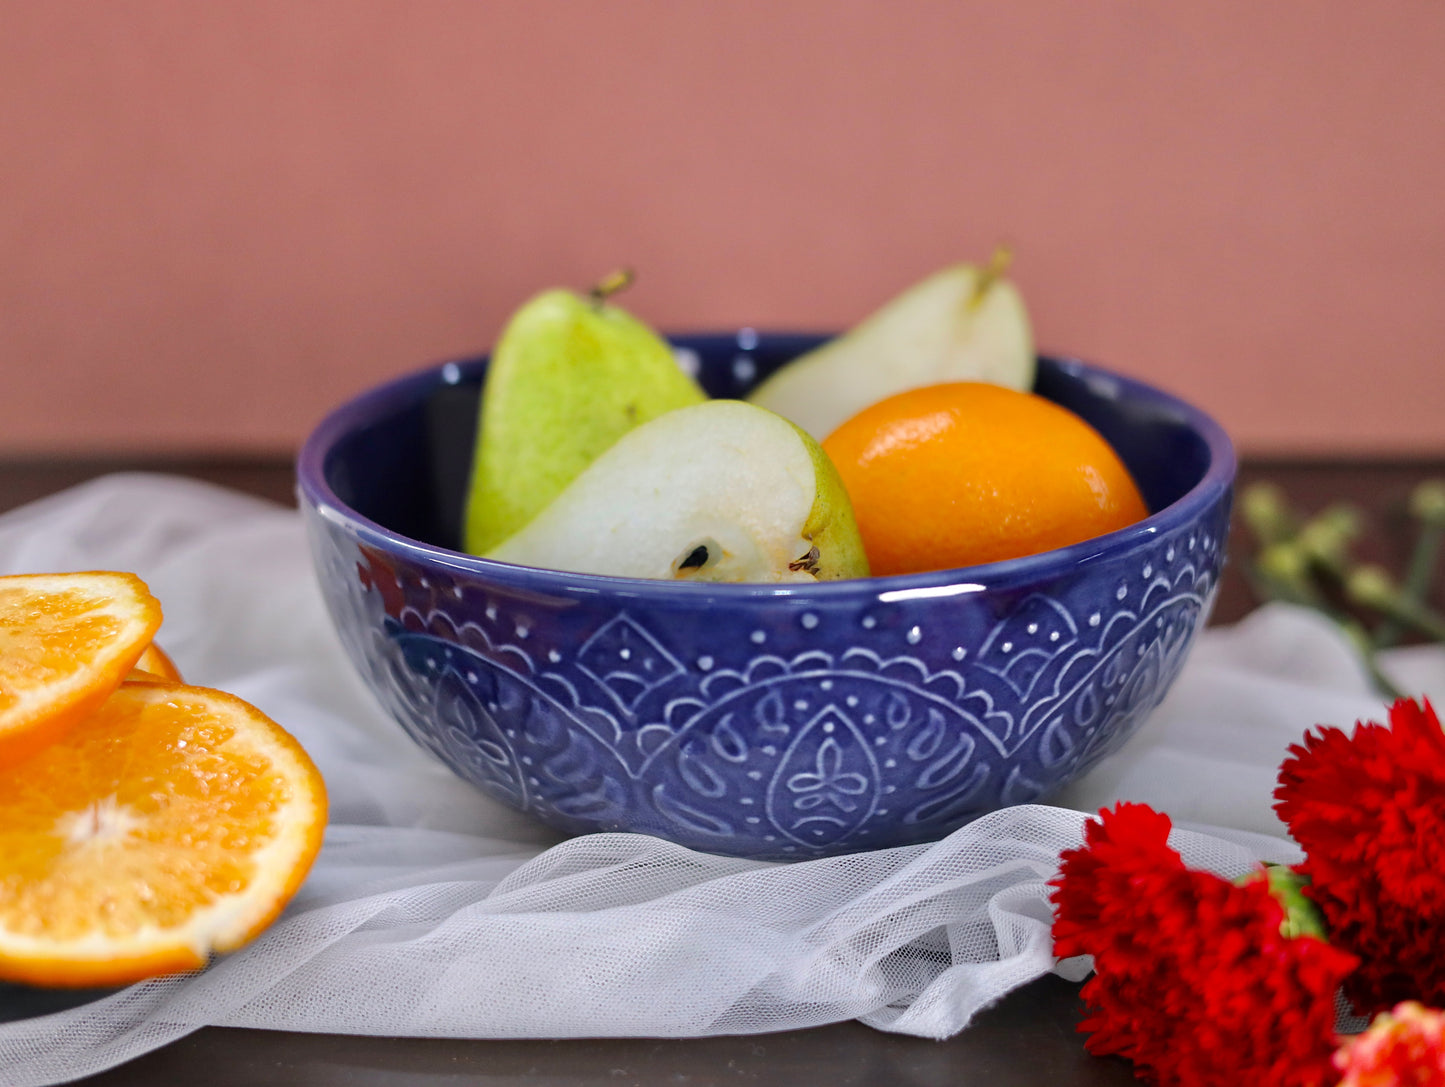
pixel 1134 837
pixel 1369 812
pixel 1194 981
pixel 1402 1048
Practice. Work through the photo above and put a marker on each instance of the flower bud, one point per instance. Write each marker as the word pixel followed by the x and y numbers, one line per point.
pixel 1327 537
pixel 1373 587
pixel 1267 513
pixel 1283 562
pixel 1427 502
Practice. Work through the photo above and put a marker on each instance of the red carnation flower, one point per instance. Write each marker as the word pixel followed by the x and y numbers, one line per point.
pixel 1403 1048
pixel 1194 981
pixel 1369 812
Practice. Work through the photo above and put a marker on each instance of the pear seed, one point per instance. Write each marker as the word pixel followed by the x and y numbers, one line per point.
pixel 696 558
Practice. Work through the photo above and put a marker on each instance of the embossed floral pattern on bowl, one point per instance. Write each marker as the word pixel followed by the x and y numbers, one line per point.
pixel 781 722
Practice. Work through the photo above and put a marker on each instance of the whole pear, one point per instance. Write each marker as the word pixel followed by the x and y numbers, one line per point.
pixel 570 374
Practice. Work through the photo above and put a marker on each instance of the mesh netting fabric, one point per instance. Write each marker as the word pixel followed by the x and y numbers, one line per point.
pixel 433 911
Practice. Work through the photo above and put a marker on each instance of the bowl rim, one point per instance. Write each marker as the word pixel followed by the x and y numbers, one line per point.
pixel 379 400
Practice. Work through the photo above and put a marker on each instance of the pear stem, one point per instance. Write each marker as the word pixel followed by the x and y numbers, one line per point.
pixel 610 284
pixel 992 272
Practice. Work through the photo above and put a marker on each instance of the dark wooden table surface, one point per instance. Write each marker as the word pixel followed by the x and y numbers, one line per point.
pixel 1027 1039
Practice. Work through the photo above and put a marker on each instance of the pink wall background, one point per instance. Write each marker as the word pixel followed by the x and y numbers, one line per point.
pixel 218 219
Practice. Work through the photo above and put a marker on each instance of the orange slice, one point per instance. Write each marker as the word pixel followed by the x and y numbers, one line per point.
pixel 156 662
pixel 66 642
pixel 171 823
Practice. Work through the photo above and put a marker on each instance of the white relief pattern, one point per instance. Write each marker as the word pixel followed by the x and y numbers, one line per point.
pixel 801 750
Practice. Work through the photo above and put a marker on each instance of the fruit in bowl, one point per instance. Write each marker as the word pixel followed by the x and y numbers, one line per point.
pixel 596 454
pixel 962 323
pixel 967 473
pixel 569 376
pixel 782 720
pixel 721 491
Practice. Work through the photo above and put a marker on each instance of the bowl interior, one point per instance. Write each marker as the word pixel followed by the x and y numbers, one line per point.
pixel 401 455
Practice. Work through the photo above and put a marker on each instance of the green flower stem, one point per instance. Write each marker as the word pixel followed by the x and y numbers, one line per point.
pixel 1309 563
pixel 1427 505
pixel 1373 587
pixel 1283 572
pixel 1364 645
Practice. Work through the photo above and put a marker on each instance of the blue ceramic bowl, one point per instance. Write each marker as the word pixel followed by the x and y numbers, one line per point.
pixel 779 722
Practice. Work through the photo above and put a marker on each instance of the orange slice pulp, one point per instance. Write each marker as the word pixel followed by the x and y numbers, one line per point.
pixel 66 642
pixel 170 823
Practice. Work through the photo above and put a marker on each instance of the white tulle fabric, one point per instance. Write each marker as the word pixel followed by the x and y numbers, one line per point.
pixel 434 911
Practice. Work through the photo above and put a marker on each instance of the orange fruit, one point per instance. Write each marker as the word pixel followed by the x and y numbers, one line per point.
pixel 66 642
pixel 964 473
pixel 157 664
pixel 170 823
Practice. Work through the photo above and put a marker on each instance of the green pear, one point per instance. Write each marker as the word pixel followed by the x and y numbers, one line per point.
pixel 570 375
pixel 720 491
pixel 963 323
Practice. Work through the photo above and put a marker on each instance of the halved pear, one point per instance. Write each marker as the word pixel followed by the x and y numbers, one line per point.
pixel 570 375
pixel 720 491
pixel 964 323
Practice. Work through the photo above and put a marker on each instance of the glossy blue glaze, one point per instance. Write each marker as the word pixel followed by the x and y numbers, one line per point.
pixel 780 722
